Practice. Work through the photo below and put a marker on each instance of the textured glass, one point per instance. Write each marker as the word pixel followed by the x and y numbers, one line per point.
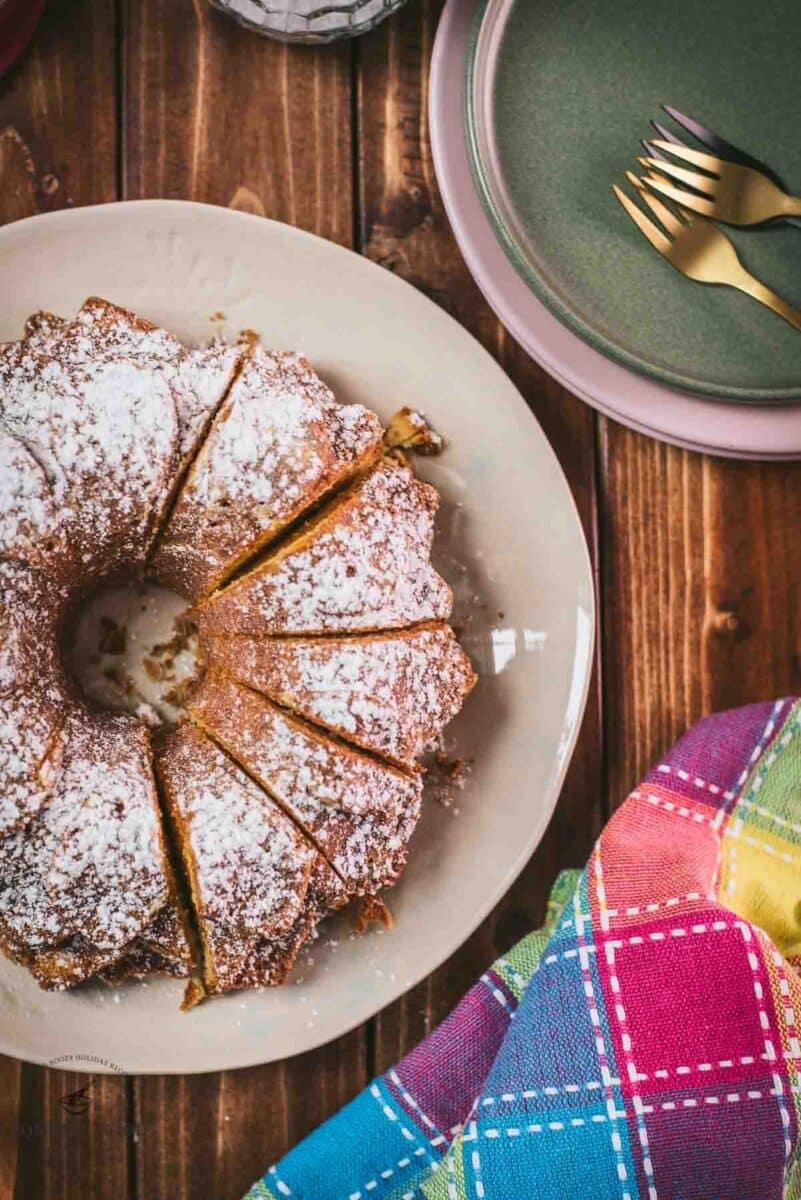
pixel 309 20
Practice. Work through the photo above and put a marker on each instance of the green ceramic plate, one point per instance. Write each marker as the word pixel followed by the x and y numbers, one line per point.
pixel 559 92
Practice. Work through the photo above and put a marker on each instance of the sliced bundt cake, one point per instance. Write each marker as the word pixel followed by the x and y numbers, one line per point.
pixel 278 445
pixel 361 565
pixel 258 886
pixel 360 812
pixel 390 693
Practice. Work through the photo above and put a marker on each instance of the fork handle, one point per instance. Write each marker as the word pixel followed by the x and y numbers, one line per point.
pixel 753 287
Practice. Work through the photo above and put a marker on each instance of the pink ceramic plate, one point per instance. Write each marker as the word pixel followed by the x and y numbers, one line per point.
pixel 737 431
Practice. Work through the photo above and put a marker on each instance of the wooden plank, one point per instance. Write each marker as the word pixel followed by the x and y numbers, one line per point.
pixel 57 148
pixel 57 115
pixel 702 588
pixel 214 113
pixel 404 228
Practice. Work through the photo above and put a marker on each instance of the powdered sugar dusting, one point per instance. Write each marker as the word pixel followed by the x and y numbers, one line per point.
pixel 105 433
pixel 32 699
pixel 111 407
pixel 391 694
pixel 360 812
pixel 106 875
pixel 362 565
pixel 100 416
pixel 90 864
pixel 279 442
pixel 31 522
pixel 198 378
pixel 250 866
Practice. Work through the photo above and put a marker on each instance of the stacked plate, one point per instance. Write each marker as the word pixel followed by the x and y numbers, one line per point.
pixel 537 107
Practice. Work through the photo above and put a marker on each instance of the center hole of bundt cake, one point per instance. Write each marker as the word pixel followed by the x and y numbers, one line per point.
pixel 132 649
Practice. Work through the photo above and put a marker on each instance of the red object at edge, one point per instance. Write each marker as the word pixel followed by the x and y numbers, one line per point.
pixel 18 20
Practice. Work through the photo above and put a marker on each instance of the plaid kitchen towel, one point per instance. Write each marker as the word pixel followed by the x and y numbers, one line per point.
pixel 644 1044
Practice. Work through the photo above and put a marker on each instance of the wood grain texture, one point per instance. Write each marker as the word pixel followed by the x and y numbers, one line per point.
pixel 702 592
pixel 57 118
pixel 212 112
pixel 403 227
pixel 58 148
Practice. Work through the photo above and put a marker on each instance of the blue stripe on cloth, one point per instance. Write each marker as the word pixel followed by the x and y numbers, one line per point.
pixel 368 1149
pixel 386 1144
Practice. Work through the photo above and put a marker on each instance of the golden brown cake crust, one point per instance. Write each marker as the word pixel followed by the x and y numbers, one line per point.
pixel 391 693
pixel 111 408
pixel 279 443
pixel 361 565
pixel 360 813
pixel 250 870
pixel 88 875
pixel 104 429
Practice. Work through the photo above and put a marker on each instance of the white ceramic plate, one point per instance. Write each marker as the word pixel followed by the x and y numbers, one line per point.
pixel 510 540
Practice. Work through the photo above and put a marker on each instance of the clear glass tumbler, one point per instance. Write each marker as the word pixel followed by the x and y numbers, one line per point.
pixel 309 20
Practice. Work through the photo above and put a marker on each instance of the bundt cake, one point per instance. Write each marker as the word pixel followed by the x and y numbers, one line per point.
pixel 291 784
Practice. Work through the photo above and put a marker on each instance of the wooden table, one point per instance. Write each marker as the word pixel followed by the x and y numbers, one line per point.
pixel 697 562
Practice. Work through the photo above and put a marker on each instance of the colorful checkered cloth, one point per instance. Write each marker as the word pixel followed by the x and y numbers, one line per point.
pixel 644 1044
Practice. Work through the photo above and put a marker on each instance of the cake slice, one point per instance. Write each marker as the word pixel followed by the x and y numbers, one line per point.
pixel 32 696
pixel 361 813
pixel 105 431
pixel 258 887
pixel 89 875
pixel 199 377
pixel 163 948
pixel 360 565
pixel 391 694
pixel 277 446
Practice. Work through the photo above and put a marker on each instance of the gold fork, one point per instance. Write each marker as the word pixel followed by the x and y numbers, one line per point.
pixel 699 249
pixel 732 193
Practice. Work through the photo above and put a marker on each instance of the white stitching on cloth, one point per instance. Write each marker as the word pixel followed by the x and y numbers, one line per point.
pixel 279 1183
pixel 637 1104
pixel 549 1090
pixel 636 910
pixel 794 1053
pixel 517 978
pixel 498 995
pixel 764 1021
pixel 389 1114
pixel 639 939
pixel 690 1102
pixel 475 1162
pixel 401 1164
pixel 410 1100
pixel 701 784
pixel 736 833
pixel 769 816
pixel 600 1046
pixel 670 806
pixel 745 1060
